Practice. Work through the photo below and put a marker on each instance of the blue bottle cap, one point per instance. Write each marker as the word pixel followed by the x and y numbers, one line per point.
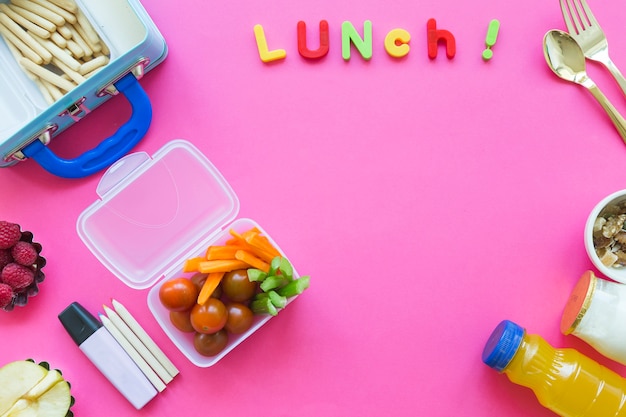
pixel 502 345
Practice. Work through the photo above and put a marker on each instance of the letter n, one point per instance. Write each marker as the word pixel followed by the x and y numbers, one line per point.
pixel 350 36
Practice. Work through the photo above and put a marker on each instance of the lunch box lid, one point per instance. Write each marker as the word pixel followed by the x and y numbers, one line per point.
pixel 154 210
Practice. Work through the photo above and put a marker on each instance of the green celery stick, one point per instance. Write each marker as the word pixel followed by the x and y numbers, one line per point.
pixel 295 287
pixel 286 269
pixel 277 300
pixel 263 306
pixel 256 275
pixel 273 282
pixel 274 265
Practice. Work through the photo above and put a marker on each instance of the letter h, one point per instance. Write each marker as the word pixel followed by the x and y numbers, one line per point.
pixel 435 35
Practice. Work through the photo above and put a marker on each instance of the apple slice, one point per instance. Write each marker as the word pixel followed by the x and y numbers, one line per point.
pixel 52 403
pixel 43 394
pixel 48 381
pixel 16 379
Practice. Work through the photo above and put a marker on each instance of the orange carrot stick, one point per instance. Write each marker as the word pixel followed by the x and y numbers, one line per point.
pixel 251 231
pixel 262 243
pixel 266 257
pixel 238 237
pixel 221 252
pixel 252 260
pixel 222 265
pixel 192 264
pixel 211 283
pixel 240 240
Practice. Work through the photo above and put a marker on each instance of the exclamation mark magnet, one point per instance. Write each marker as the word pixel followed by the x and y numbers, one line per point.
pixel 492 36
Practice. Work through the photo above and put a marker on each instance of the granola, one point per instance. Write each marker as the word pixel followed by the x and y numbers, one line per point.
pixel 609 235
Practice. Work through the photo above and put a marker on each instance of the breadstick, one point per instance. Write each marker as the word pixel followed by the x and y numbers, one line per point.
pixel 45 92
pixel 25 23
pixel 73 75
pixel 40 11
pixel 105 49
pixel 65 32
pixel 17 42
pixel 52 89
pixel 80 41
pixel 80 31
pixel 14 51
pixel 66 58
pixel 68 5
pixel 47 75
pixel 69 17
pixel 26 38
pixel 17 55
pixel 75 49
pixel 38 20
pixel 89 66
pixel 58 40
pixel 92 73
pixel 90 33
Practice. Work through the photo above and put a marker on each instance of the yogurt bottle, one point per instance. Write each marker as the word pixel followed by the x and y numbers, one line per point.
pixel 596 313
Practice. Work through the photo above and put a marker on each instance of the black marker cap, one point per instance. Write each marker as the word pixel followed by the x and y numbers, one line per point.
pixel 78 322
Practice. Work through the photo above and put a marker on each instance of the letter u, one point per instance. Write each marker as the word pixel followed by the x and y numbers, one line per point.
pixel 324 41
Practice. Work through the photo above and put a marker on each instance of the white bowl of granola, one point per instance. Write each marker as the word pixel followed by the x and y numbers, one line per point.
pixel 605 236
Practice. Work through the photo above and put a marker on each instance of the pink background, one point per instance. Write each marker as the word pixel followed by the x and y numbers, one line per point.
pixel 427 199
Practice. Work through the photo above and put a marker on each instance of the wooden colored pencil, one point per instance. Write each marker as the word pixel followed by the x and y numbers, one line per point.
pixel 138 344
pixel 133 353
pixel 145 338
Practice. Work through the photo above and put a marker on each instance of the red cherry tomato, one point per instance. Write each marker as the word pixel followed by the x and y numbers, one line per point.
pixel 178 294
pixel 237 287
pixel 198 279
pixel 209 317
pixel 182 321
pixel 240 318
pixel 210 344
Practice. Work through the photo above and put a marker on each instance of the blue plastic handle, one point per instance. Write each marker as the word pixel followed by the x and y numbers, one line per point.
pixel 110 149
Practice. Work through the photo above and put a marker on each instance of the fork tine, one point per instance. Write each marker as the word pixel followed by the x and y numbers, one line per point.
pixel 581 11
pixel 588 14
pixel 567 16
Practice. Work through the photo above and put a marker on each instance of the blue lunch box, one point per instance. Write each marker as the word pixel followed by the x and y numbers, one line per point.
pixel 32 112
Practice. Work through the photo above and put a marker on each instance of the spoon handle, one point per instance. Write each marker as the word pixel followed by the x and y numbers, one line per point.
pixel 616 118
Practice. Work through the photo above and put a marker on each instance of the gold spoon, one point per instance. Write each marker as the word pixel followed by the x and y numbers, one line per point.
pixel 566 59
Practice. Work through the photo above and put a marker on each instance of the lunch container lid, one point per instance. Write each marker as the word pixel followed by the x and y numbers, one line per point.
pixel 154 210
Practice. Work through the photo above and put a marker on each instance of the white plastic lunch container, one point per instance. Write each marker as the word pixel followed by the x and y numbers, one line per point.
pixel 156 212
pixel 28 121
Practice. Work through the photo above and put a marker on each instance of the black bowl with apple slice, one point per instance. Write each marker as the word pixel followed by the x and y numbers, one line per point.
pixel 30 388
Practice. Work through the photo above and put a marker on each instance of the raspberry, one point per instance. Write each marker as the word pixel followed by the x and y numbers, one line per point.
pixel 5 258
pixel 6 295
pixel 24 253
pixel 10 234
pixel 17 276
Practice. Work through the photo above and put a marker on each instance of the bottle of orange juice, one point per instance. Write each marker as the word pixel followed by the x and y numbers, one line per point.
pixel 564 380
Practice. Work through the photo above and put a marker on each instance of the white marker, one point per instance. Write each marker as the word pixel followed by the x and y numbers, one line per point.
pixel 107 355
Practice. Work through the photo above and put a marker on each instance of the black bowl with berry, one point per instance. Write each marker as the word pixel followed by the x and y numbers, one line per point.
pixel 21 266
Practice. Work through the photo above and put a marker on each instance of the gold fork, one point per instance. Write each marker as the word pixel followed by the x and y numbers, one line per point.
pixel 584 28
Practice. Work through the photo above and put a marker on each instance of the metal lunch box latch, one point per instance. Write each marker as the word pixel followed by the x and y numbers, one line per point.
pixel 44 136
pixel 138 69
pixel 77 110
